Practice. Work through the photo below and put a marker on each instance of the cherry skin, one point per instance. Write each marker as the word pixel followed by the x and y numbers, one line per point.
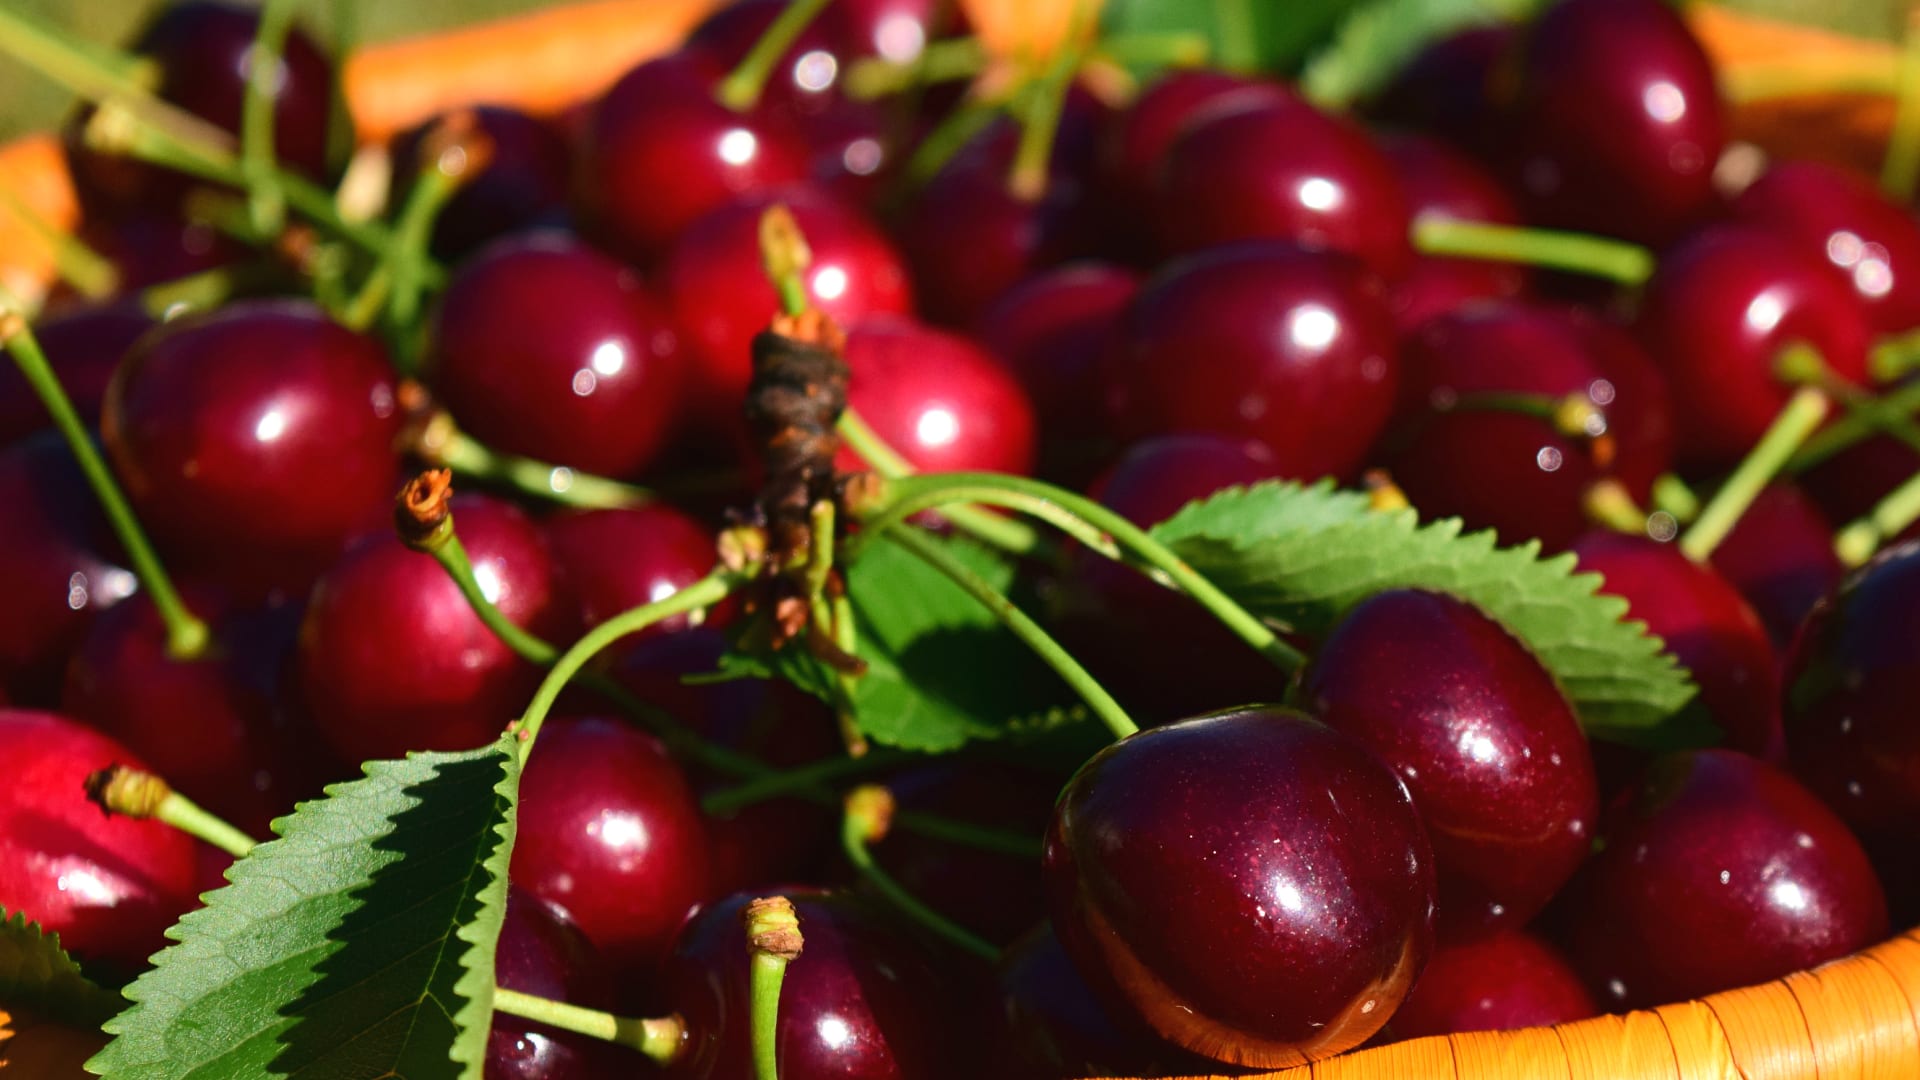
pixel 153 249
pixel 1872 243
pixel 392 657
pixel 714 280
pixel 1509 979
pixel 1252 885
pixel 523 185
pixel 107 885
pixel 83 346
pixel 861 1000
pixel 611 835
pixel 1441 182
pixel 1717 313
pixel 1135 143
pixel 541 953
pixel 1483 738
pixel 1619 122
pixel 942 401
pixel 1300 355
pixel 1780 556
pixel 1719 871
pixel 263 428
pixel 611 560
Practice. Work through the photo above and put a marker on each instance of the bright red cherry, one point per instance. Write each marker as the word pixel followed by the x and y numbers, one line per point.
pixel 1299 350
pixel 83 345
pixel 1510 979
pixel 611 560
pixel 524 184
pixel 1441 182
pixel 1050 1025
pixel 610 834
pixel 544 347
pixel 262 428
pixel 1870 241
pixel 107 885
pixel 1719 871
pixel 1253 885
pixel 1780 556
pixel 392 657
pixel 540 953
pixel 942 401
pixel 1483 738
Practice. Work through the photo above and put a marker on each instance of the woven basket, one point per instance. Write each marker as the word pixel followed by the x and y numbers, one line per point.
pixel 1853 1019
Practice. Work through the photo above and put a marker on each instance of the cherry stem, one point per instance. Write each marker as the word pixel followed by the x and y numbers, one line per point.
pixel 200 291
pixel 442 443
pixel 740 90
pixel 658 1038
pixel 1609 503
pixel 396 280
pixel 1021 625
pixel 1802 413
pixel 1046 99
pixel 132 793
pixel 869 813
pixel 91 274
pixel 1672 496
pixel 187 636
pixel 1069 511
pixel 954 131
pixel 872 77
pixel 1801 365
pixel 1574 415
pixel 1007 534
pixel 1857 542
pixel 1854 427
pixel 774 940
pixel 1236 32
pixel 1900 169
pixel 1580 253
pixel 265 63
pixel 1894 357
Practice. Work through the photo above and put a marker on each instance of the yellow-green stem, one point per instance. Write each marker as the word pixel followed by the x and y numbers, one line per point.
pixel 741 89
pixel 854 830
pixel 265 203
pixel 659 1039
pixel 1802 413
pixel 1857 542
pixel 1580 253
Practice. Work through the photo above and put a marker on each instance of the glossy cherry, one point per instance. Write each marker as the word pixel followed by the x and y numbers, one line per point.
pixel 1050 1025
pixel 107 885
pixel 263 427
pixel 1780 556
pixel 544 347
pixel 83 345
pixel 610 834
pixel 1719 871
pixel 1135 143
pixel 1442 182
pixel 861 1000
pixel 523 185
pixel 1299 348
pixel 1253 885
pixel 1872 243
pixel 1508 979
pixel 392 657
pixel 938 398
pixel 1483 738
pixel 1618 120
pixel 540 953
pixel 611 560
pixel 1717 314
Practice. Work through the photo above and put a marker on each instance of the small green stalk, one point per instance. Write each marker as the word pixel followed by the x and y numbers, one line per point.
pixel 1596 256
pixel 187 636
pixel 774 940
pixel 741 89
pixel 1802 413
pixel 871 77
pixel 1894 357
pixel 659 1039
pixel 91 274
pixel 1012 536
pixel 265 203
pixel 1673 497
pixel 1854 427
pixel 954 131
pixel 1857 542
pixel 128 792
pixel 869 815
pixel 1901 167
pixel 202 291
pixel 1609 503
pixel 398 279
pixel 441 443
pixel 1039 125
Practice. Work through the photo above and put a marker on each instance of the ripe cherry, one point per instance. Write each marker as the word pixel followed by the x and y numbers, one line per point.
pixel 1441 182
pixel 608 561
pixel 1509 979
pixel 1871 243
pixel 540 953
pixel 1780 556
pixel 523 185
pixel 1253 885
pixel 941 400
pixel 83 345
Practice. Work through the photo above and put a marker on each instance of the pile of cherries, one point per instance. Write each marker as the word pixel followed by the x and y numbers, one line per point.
pixel 1211 282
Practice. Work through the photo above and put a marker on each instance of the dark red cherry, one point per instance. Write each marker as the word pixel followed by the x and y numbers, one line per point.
pixel 1871 242
pixel 1299 348
pixel 1510 979
pixel 1706 625
pixel 1719 871
pixel 1441 182
pixel 1253 885
pixel 523 185
pixel 544 347
pixel 861 1000
pixel 714 280
pixel 1618 120
pixel 540 953
pixel 1461 448
pixel 942 401
pixel 1848 484
pixel 1780 556
pixel 83 345
pixel 107 885
pixel 392 657
pixel 610 834
pixel 1717 314
pixel 1483 738
pixel 1253 167
pixel 60 565
pixel 611 560
pixel 1446 88
pixel 658 152
pixel 262 428
pixel 1136 141
pixel 152 249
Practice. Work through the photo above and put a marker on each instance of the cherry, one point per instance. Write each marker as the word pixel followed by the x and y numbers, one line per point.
pixel 1446 88
pixel 611 560
pixel 1522 474
pixel 938 398
pixel 611 835
pixel 1872 243
pixel 1849 484
pixel 107 885
pixel 1719 871
pixel 861 1000
pixel 1256 167
pixel 83 345
pixel 1618 119
pixel 1780 556
pixel 1253 885
pixel 151 249
pixel 1135 143
pixel 658 152
pixel 523 185
pixel 1441 182
pixel 1299 354
pixel 1718 311
pixel 1509 979
pixel 1482 737
pixel 805 79
pixel 540 953
pixel 544 347
pixel 713 279
pixel 392 657
pixel 262 428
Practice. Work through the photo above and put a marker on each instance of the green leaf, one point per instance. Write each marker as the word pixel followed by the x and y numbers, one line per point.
pixel 36 973
pixel 1283 33
pixel 1306 555
pixel 1378 38
pixel 359 944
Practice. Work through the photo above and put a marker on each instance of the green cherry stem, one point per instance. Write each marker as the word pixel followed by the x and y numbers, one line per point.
pixel 1040 124
pixel 453 153
pixel 187 636
pixel 1005 533
pixel 1021 625
pixel 1609 503
pixel 91 274
pixel 1857 542
pixel 129 792
pixel 774 940
pixel 1894 357
pixel 954 131
pixel 872 77
pixel 868 817
pixel 440 442
pixel 1797 419
pixel 1675 498
pixel 1901 167
pixel 1580 253
pixel 265 203
pixel 658 1038
pixel 1854 427
pixel 741 88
